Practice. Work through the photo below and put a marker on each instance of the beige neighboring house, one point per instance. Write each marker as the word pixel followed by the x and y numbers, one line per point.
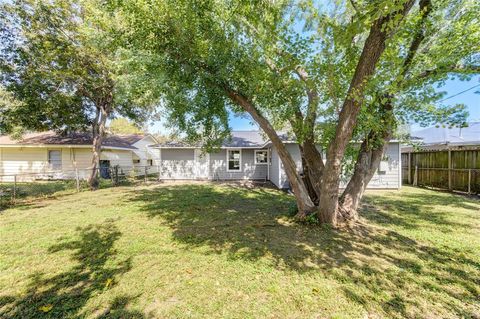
pixel 50 155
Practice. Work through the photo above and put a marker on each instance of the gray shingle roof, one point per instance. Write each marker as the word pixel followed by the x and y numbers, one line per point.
pixel 245 139
pixel 77 138
pixel 443 135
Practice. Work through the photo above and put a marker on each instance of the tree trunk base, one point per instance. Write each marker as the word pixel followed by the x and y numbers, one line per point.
pixel 344 216
pixel 94 183
pixel 302 216
pixel 347 216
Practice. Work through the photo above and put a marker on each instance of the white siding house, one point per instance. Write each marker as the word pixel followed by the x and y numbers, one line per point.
pixel 57 156
pixel 241 159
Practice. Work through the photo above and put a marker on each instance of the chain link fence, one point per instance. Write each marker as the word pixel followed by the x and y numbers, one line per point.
pixel 18 189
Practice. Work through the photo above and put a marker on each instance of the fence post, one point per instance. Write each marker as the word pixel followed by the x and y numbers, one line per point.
pixel 415 177
pixel 409 168
pixel 469 180
pixel 77 179
pixel 14 188
pixel 145 178
pixel 449 169
pixel 110 173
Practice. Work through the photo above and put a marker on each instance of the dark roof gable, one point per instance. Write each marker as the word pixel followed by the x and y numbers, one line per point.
pixel 76 138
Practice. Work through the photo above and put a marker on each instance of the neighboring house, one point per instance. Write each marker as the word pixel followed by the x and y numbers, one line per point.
pixel 443 157
pixel 249 155
pixel 444 138
pixel 61 156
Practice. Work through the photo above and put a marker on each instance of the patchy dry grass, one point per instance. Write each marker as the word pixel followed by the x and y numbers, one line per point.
pixel 221 251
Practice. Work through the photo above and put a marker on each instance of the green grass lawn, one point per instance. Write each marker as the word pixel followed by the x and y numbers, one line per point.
pixel 26 192
pixel 216 251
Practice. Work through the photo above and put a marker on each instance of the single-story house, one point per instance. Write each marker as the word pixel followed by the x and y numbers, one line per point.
pixel 250 155
pixel 61 156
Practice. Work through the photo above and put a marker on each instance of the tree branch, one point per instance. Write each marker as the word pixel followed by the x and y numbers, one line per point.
pixel 425 9
pixel 470 69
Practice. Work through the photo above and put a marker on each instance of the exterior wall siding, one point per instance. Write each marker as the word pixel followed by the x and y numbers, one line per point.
pixel 177 164
pixel 249 170
pixel 22 161
pixel 294 151
pixel 275 168
pixel 389 179
pixel 34 160
pixel 143 152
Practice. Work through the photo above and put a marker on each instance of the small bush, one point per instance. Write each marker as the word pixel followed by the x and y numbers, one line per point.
pixel 292 209
pixel 312 219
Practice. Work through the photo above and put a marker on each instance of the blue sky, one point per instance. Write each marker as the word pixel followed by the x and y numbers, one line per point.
pixel 470 98
pixel 451 87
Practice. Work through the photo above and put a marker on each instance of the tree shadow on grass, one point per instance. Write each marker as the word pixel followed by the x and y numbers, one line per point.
pixel 38 194
pixel 421 207
pixel 63 295
pixel 387 272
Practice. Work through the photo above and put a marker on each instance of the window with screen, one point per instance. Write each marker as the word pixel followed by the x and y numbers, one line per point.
pixel 55 159
pixel 234 160
pixel 261 157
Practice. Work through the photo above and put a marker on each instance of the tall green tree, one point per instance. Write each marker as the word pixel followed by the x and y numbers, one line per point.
pixel 57 59
pixel 403 86
pixel 123 126
pixel 7 103
pixel 354 71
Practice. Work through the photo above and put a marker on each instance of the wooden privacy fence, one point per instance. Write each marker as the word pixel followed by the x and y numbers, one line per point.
pixel 457 170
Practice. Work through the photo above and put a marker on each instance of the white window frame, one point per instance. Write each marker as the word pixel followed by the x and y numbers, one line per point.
pixel 268 157
pixel 48 159
pixel 240 161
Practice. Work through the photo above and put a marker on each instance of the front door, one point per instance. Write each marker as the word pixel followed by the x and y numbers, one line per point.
pixel 201 164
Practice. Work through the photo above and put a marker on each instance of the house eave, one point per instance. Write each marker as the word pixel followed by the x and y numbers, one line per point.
pixel 195 147
pixel 63 146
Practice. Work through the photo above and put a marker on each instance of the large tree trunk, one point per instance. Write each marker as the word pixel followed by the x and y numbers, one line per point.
pixel 307 178
pixel 372 50
pixel 367 164
pixel 98 134
pixel 304 203
pixel 374 146
pixel 370 154
pixel 311 158
pixel 314 163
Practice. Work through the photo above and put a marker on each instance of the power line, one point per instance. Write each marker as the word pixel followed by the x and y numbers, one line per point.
pixel 459 93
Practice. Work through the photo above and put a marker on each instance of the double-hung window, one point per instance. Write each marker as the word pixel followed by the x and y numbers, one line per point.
pixel 234 160
pixel 261 157
pixel 55 159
